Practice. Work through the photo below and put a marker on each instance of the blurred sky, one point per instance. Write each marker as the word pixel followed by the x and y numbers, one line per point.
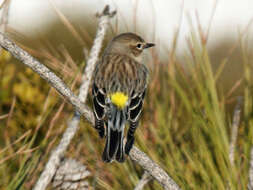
pixel 155 18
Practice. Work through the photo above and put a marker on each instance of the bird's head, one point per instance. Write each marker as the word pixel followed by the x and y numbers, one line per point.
pixel 128 44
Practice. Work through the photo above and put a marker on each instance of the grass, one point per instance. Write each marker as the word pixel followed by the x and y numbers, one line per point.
pixel 185 126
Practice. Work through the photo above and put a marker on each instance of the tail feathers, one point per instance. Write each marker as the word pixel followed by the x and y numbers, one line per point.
pixel 111 145
pixel 114 148
pixel 120 157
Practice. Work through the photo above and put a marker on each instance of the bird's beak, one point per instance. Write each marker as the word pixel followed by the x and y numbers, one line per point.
pixel 148 45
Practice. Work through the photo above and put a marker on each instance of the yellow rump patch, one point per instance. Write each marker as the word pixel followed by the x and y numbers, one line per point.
pixel 119 99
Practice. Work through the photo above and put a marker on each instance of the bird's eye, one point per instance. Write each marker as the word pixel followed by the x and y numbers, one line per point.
pixel 139 46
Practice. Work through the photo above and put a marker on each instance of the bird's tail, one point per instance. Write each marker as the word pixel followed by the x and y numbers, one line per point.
pixel 114 148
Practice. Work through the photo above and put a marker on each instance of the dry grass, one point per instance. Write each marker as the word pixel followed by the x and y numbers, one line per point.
pixel 185 126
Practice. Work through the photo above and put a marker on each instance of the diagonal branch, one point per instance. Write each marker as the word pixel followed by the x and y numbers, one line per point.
pixel 136 155
pixel 94 53
pixel 5 6
pixel 46 74
pixel 144 180
pixel 153 169
pixel 73 126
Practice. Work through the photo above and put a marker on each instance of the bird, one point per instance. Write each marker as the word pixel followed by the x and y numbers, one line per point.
pixel 118 90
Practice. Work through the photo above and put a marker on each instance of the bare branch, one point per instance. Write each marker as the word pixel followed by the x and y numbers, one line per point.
pixel 71 175
pixel 234 132
pixel 153 169
pixel 136 155
pixel 73 126
pixel 144 180
pixel 95 50
pixel 46 74
pixel 4 17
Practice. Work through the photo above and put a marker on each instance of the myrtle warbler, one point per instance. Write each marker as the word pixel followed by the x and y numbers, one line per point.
pixel 118 90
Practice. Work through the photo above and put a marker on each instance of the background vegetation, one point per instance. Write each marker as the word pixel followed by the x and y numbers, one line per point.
pixel 185 126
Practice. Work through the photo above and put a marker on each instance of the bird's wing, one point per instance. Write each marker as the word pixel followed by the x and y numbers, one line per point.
pixel 98 101
pixel 135 106
pixel 138 94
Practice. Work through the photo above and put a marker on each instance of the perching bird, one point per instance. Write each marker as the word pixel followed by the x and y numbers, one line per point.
pixel 120 82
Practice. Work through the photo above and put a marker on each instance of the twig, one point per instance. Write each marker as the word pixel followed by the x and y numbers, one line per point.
pixel 94 53
pixel 46 74
pixel 153 169
pixel 4 17
pixel 4 116
pixel 144 180
pixel 234 132
pixel 73 126
pixel 250 183
pixel 136 155
pixel 7 129
pixel 71 175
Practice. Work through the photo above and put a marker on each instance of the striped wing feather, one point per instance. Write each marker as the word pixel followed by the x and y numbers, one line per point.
pixel 99 108
pixel 135 106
